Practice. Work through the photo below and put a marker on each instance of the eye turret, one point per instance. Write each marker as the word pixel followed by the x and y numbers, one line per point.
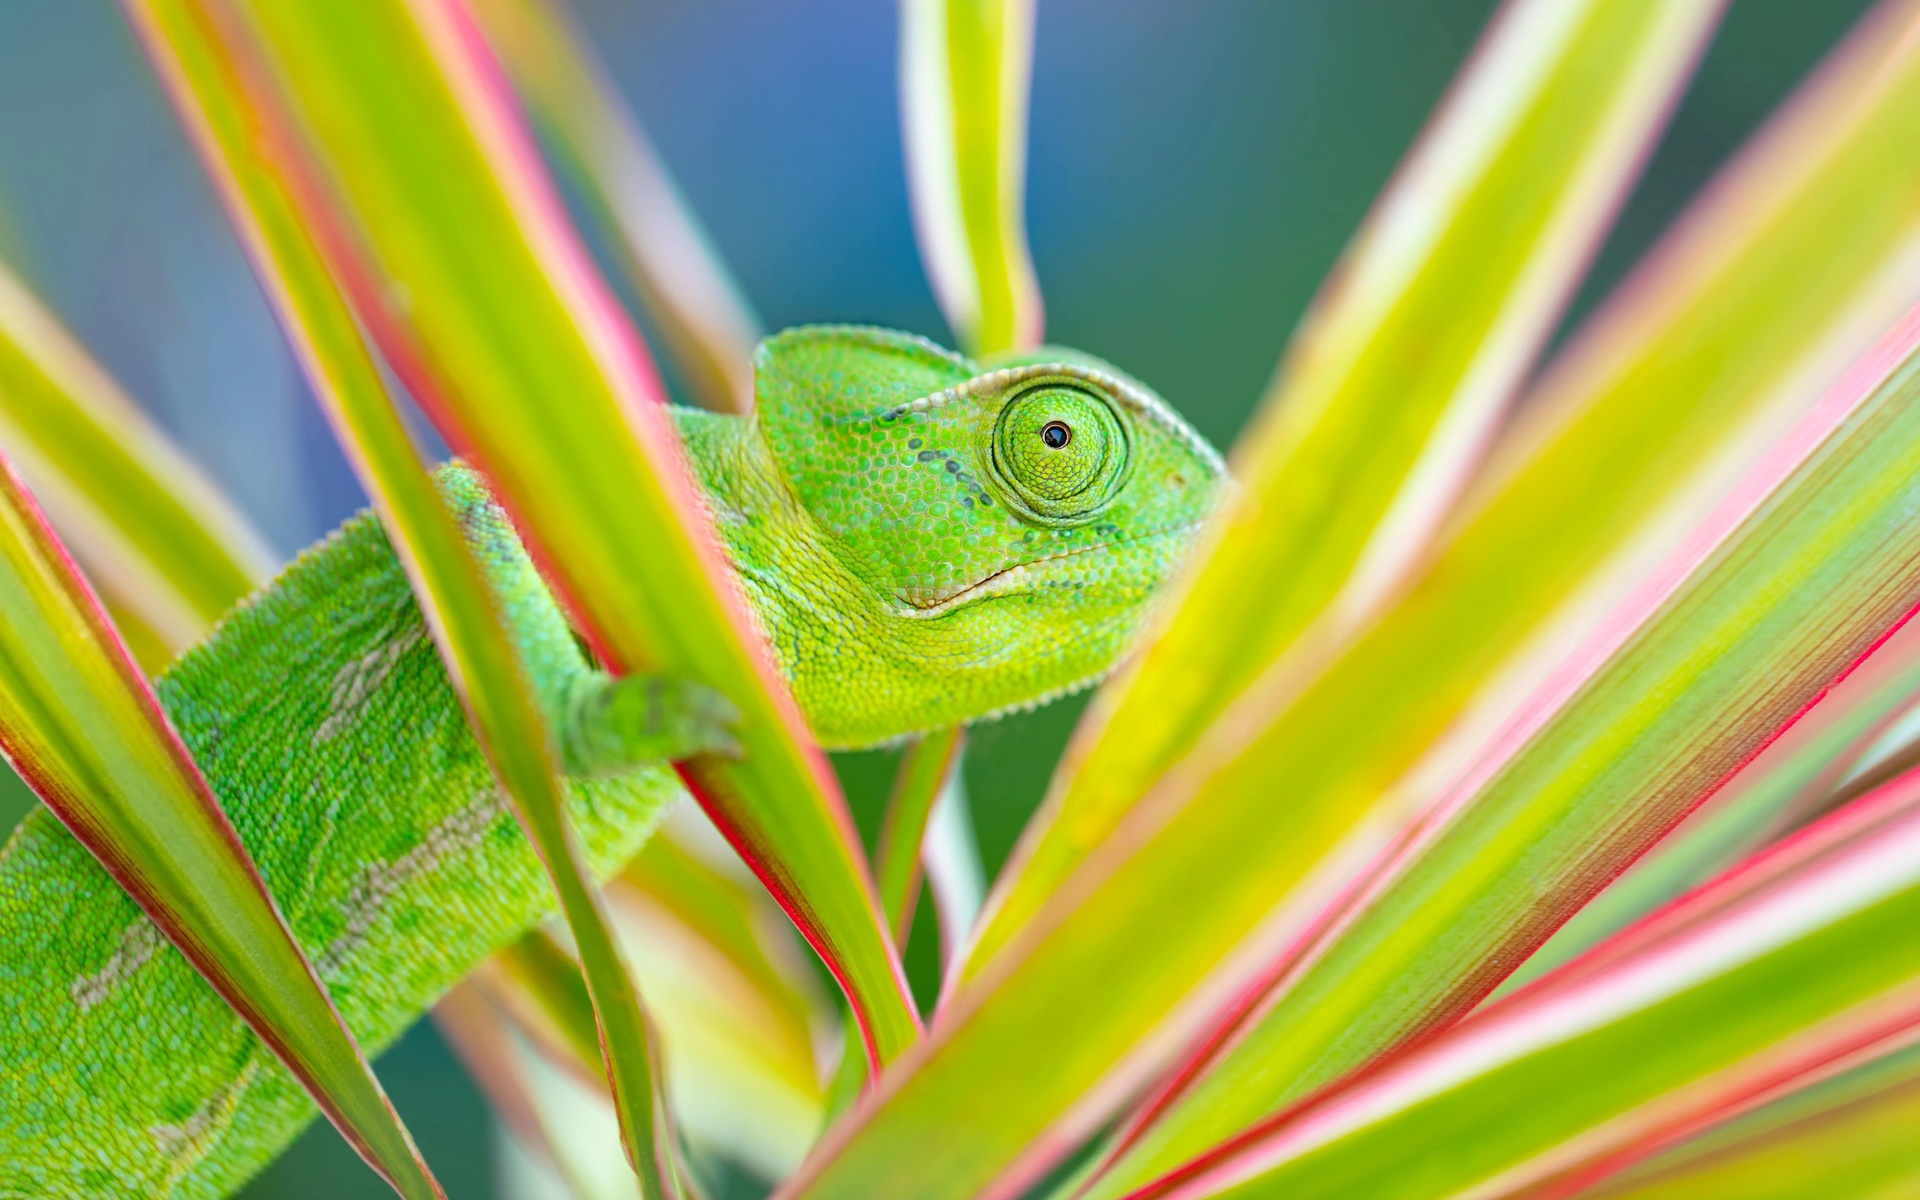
pixel 1060 450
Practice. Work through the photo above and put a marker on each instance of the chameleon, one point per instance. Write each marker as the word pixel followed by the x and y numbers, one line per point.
pixel 924 541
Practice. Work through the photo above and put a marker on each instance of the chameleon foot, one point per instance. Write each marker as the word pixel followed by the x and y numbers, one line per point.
pixel 613 725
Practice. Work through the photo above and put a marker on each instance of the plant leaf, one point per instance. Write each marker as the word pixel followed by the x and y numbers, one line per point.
pixel 1791 968
pixel 1851 1136
pixel 1683 684
pixel 956 877
pixel 1793 256
pixel 564 1123
pixel 1789 777
pixel 81 726
pixel 1803 242
pixel 965 70
pixel 252 166
pixel 736 1015
pixel 1388 396
pixel 660 245
pixel 543 988
pixel 540 985
pixel 739 1012
pixel 478 1033
pixel 924 771
pixel 485 303
pixel 157 538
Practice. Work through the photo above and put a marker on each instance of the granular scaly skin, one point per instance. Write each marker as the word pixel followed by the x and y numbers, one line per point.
pixel 917 550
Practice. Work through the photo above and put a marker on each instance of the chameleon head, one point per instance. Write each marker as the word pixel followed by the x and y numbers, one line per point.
pixel 1005 527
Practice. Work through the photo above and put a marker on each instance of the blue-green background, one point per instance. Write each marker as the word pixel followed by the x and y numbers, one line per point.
pixel 1196 166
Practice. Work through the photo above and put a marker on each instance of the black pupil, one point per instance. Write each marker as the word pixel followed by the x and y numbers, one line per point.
pixel 1056 434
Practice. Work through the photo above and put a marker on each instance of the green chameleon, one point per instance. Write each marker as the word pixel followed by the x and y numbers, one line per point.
pixel 925 542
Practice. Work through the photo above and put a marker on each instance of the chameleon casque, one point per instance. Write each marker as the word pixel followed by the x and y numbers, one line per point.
pixel 924 540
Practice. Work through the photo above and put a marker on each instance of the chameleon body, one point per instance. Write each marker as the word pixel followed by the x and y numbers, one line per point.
pixel 924 541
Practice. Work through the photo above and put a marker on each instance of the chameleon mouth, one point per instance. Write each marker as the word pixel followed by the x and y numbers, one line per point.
pixel 1017 578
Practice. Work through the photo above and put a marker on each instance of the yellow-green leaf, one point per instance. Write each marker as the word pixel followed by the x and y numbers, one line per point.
pixel 1788 782
pixel 739 1013
pixel 540 984
pixel 956 877
pixel 1847 1137
pixel 1793 967
pixel 562 1138
pixel 736 1010
pixel 924 770
pixel 660 245
pixel 81 726
pixel 485 302
pixel 556 1009
pixel 1808 564
pixel 965 68
pixel 1387 396
pixel 252 163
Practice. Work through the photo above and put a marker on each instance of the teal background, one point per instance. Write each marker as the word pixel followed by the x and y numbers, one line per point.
pixel 1196 168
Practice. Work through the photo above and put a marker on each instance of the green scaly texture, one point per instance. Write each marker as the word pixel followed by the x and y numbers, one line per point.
pixel 924 542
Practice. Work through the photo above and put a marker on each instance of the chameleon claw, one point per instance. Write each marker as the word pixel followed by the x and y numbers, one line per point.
pixel 712 722
pixel 612 725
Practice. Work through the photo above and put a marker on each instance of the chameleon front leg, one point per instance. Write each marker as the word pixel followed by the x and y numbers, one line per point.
pixel 602 725
pixel 609 725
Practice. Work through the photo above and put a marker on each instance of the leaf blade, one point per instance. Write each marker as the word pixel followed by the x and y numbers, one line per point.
pixel 80 724
pixel 735 1007
pixel 662 249
pixel 561 1122
pixel 1826 196
pixel 1613 422
pixel 255 171
pixel 1780 972
pixel 1789 781
pixel 924 771
pixel 1686 684
pixel 956 877
pixel 1848 1137
pixel 1385 400
pixel 478 293
pixel 965 68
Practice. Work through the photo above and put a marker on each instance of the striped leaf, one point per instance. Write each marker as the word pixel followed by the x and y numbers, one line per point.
pixel 1850 1136
pixel 1687 680
pixel 252 163
pixel 1814 764
pixel 924 771
pixel 483 300
pixel 956 877
pixel 1190 912
pixel 1387 398
pixel 1795 966
pixel 660 246
pixel 965 69
pixel 1800 252
pixel 559 1136
pixel 81 726
pixel 737 1008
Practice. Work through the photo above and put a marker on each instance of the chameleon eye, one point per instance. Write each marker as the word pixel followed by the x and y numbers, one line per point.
pixel 1060 449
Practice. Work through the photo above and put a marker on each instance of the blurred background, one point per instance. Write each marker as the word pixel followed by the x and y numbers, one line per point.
pixel 1195 169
